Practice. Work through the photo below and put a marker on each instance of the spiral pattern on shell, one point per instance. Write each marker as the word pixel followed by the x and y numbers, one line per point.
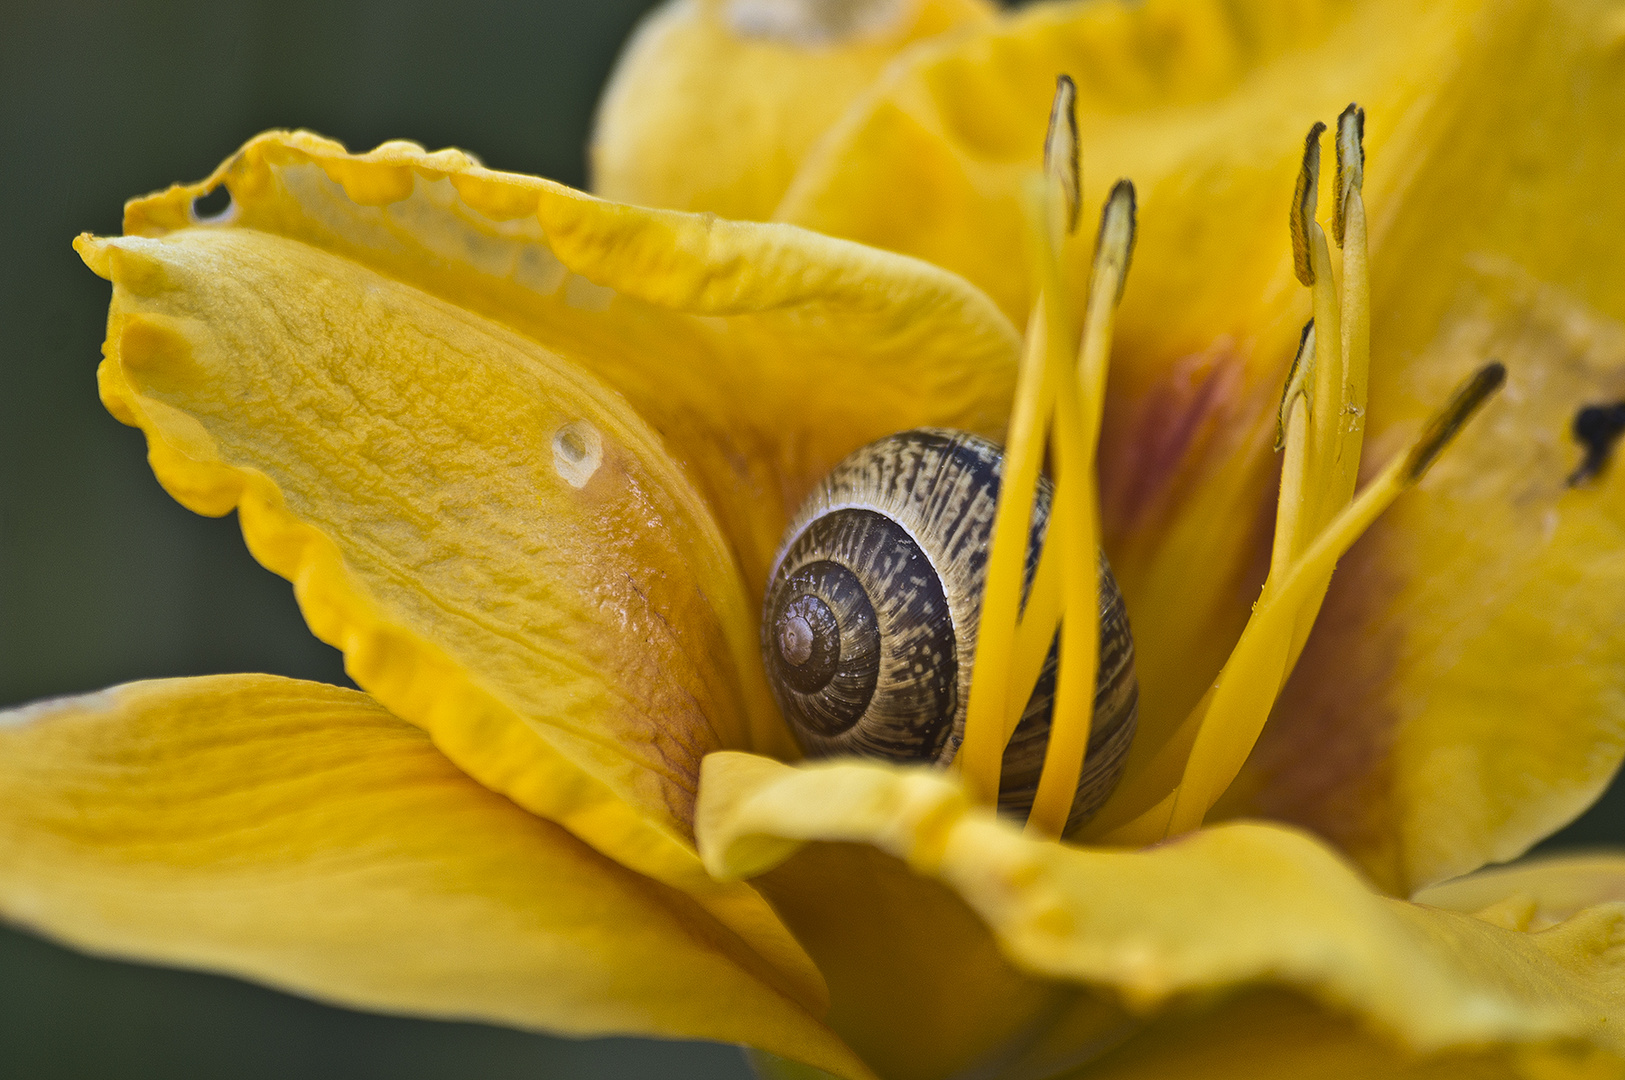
pixel 870 618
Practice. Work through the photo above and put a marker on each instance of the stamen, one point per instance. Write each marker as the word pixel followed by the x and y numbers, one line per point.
pixel 1350 164
pixel 989 719
pixel 1039 620
pixel 1247 687
pixel 1467 400
pixel 1297 378
pixel 1324 497
pixel 1061 154
pixel 981 755
pixel 1350 228
pixel 1077 436
pixel 1303 205
pixel 1293 434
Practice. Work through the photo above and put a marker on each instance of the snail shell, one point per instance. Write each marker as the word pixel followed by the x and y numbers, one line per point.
pixel 869 623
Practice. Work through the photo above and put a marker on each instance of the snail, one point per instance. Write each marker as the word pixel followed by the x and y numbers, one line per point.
pixel 870 618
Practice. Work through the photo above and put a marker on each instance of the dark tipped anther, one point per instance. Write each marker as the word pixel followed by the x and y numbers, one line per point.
pixel 1350 164
pixel 1303 205
pixel 1118 227
pixel 1597 428
pixel 1300 363
pixel 1061 147
pixel 1468 399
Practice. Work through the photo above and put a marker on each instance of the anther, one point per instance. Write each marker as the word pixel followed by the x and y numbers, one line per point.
pixel 1468 399
pixel 1297 382
pixel 1303 205
pixel 1114 245
pixel 1350 164
pixel 1061 153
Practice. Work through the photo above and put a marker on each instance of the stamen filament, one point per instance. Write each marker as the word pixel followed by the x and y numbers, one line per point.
pixel 1347 431
pixel 1349 227
pixel 1293 437
pixel 989 721
pixel 1073 529
pixel 1039 620
pixel 1077 436
pixel 1246 688
pixel 981 755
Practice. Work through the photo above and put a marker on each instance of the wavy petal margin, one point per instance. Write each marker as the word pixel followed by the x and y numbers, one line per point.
pixel 1233 906
pixel 762 354
pixel 298 835
pixel 507 556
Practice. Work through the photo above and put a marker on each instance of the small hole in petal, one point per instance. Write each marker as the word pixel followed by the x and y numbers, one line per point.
pixel 577 451
pixel 214 207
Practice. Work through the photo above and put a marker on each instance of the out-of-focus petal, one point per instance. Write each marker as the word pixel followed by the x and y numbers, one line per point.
pixel 299 835
pixel 1227 907
pixel 1271 1035
pixel 714 103
pixel 1536 893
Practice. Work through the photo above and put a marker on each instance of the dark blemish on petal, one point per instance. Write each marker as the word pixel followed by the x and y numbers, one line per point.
pixel 1597 428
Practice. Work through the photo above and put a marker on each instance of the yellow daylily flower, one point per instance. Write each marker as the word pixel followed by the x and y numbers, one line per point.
pixel 526 455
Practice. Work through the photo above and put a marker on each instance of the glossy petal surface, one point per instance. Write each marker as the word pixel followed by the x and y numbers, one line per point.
pixel 1473 606
pixel 715 103
pixel 299 835
pixel 1228 906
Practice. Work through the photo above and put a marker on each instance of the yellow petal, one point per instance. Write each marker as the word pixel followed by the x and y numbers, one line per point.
pixel 917 984
pixel 1204 106
pixel 506 554
pixel 1464 693
pixel 1459 699
pixel 1237 905
pixel 1271 1035
pixel 299 835
pixel 714 103
pixel 1535 893
pixel 763 355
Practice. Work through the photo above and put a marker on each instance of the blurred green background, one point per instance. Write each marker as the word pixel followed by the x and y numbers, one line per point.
pixel 103 578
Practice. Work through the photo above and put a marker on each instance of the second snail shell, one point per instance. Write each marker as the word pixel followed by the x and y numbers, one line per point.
pixel 871 613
